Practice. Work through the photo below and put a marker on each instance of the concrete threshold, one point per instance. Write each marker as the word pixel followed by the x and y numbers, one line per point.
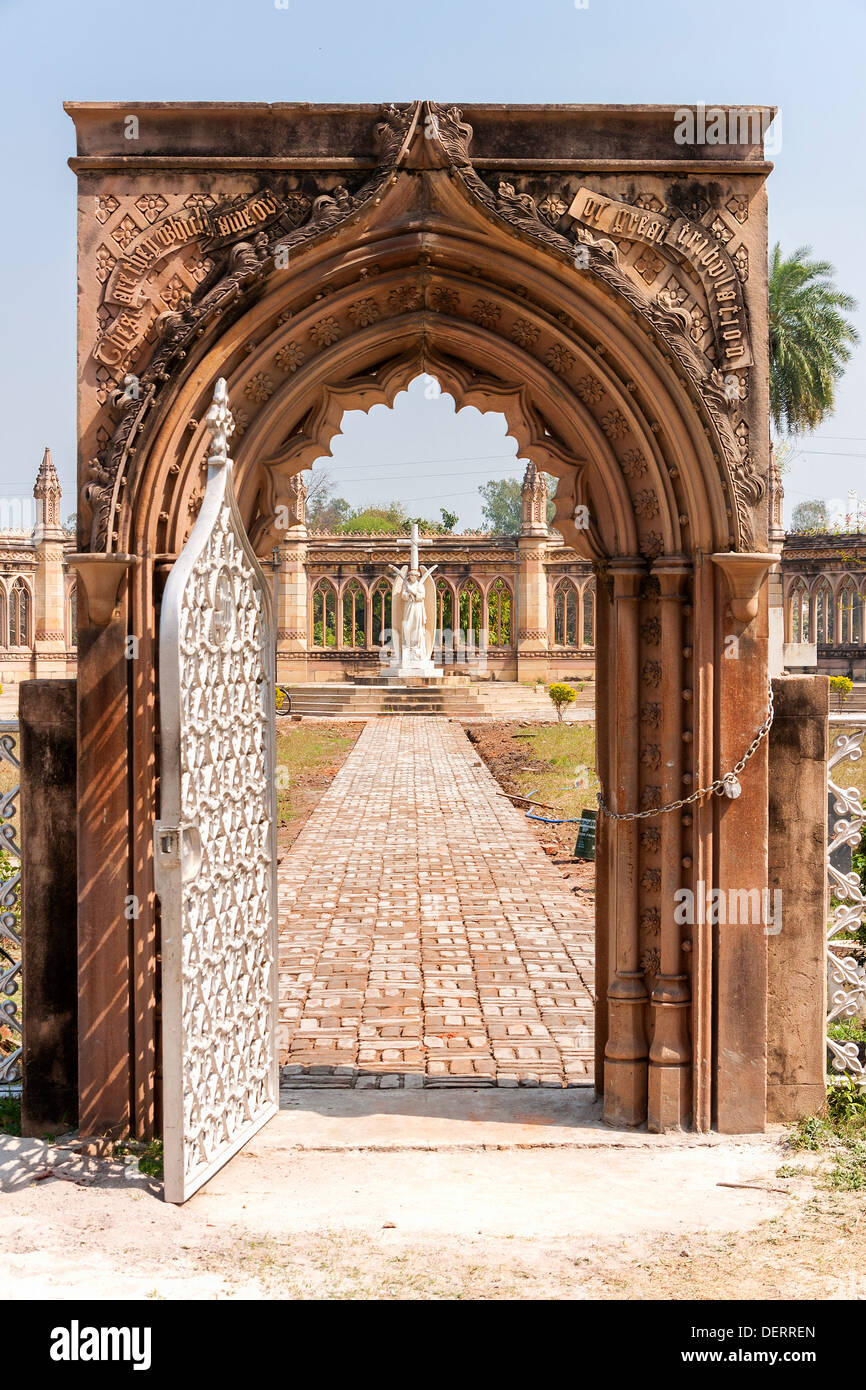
pixel 470 1119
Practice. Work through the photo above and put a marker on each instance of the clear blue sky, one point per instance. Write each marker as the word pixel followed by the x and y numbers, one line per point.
pixel 806 58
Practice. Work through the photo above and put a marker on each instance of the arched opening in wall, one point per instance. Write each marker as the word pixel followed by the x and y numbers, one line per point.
pixel 20 614
pixel 850 613
pixel 798 601
pixel 482 512
pixel 825 614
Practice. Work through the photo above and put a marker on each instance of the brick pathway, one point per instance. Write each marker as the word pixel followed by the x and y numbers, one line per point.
pixel 425 936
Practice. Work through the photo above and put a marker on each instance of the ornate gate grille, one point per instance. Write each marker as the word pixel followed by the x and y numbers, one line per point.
pixel 215 845
pixel 846 979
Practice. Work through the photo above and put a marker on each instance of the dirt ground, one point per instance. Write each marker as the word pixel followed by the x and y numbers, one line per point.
pixel 686 1222
pixel 541 762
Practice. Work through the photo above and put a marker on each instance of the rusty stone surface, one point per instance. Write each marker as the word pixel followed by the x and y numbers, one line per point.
pixel 48 899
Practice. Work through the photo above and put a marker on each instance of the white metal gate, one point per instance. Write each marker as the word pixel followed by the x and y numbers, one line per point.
pixel 215 843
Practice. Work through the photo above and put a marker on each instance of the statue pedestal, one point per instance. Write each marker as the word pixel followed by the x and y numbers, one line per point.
pixel 412 670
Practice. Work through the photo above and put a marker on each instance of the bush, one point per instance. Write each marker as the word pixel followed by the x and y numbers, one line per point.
pixel 841 687
pixel 561 695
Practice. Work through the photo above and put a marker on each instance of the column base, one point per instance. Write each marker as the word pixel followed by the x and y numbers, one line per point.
pixel 669 1098
pixel 625 1092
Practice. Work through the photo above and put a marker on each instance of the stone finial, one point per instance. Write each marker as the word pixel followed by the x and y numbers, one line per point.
pixel 533 503
pixel 220 422
pixel 48 492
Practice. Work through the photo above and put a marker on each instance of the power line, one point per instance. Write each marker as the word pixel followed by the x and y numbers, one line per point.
pixel 413 463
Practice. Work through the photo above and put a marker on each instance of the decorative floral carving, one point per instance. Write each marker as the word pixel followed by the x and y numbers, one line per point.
pixel 720 230
pixel 289 357
pixel 648 265
pixel 175 293
pixel 651 839
pixel 650 918
pixel 485 313
pixel 365 312
pixel 559 359
pixel 646 504
pixel 552 208
pixel 652 545
pixel 741 262
pixel 590 389
pixel 444 301
pixel 405 299
pixel 651 673
pixel 105 263
pixel 652 715
pixel 742 436
pixel 651 880
pixel 524 333
pixel 633 464
pixel 651 756
pixel 651 631
pixel 650 798
pixel 326 331
pixel 106 207
pixel 700 324
pixel 126 231
pixel 614 424
pixel 648 202
pixel 738 206
pixel 650 961
pixel 151 206
pixel 259 388
pixel 242 420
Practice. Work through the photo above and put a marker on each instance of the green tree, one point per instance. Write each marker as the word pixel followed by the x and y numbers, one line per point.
pixel 810 516
pixel 501 506
pixel 449 521
pixel 810 339
pixel 561 695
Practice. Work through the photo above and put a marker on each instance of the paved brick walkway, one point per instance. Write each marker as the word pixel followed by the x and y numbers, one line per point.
pixel 425 936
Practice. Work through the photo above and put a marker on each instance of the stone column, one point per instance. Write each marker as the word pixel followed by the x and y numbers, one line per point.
pixel 797 945
pixel 741 843
pixel 532 619
pixel 292 606
pixel 625 1064
pixel 670 1081
pixel 49 616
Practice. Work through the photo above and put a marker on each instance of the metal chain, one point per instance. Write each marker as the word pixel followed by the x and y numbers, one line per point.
pixel 727 783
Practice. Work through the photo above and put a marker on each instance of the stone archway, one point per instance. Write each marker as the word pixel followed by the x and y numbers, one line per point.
pixel 623 337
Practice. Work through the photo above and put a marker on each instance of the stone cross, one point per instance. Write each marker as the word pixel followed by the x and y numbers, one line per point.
pixel 415 541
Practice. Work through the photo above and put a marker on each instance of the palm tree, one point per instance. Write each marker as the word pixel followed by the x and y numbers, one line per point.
pixel 810 339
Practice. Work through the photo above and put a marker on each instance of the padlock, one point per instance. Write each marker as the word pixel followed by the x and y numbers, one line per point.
pixel 731 785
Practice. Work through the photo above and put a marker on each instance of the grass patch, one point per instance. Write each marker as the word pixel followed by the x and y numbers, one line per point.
pixel 309 756
pixel 841 1134
pixel 10 1114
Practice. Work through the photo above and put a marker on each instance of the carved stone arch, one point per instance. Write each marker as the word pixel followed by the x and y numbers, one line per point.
pixel 412 258
pixel 644 373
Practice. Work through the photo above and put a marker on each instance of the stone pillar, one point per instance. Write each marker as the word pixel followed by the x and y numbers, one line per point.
pixel 49 616
pixel 670 1078
pixel 740 948
pixel 48 897
pixel 797 954
pixel 532 618
pixel 105 893
pixel 292 606
pixel 625 1064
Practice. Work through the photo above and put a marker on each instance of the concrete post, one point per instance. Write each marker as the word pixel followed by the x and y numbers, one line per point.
pixel 49 906
pixel 796 966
